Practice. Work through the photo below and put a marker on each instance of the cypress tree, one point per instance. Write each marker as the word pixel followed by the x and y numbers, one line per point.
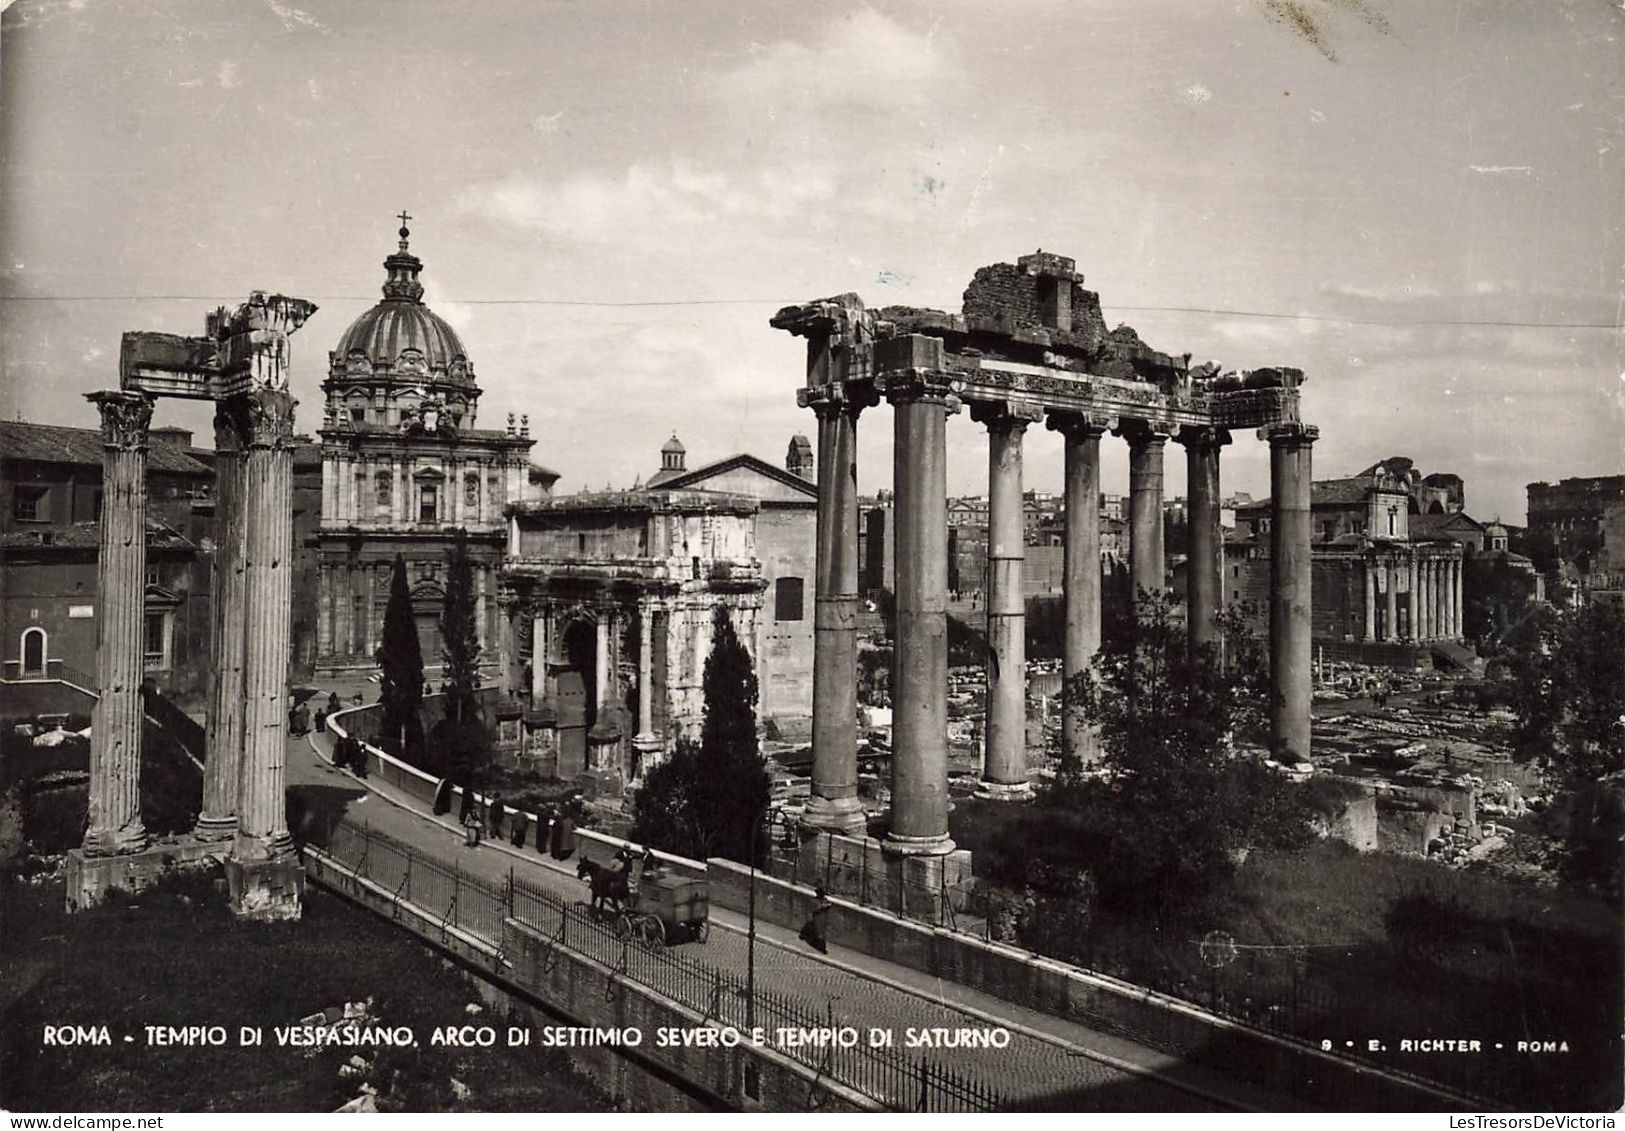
pixel 460 642
pixel 400 664
pixel 707 799
pixel 732 787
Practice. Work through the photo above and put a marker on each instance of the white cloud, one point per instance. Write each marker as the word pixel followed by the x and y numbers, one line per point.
pixel 650 197
pixel 862 59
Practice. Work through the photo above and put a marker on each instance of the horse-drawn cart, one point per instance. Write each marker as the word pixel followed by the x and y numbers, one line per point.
pixel 650 904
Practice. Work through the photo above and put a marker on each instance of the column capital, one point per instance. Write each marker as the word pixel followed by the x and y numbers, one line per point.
pixel 836 397
pixel 1203 437
pixel 1143 433
pixel 909 386
pixel 1079 425
pixel 125 419
pixel 268 419
pixel 1005 414
pixel 1289 434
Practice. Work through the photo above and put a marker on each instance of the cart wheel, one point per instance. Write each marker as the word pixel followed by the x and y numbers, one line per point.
pixel 654 932
pixel 702 929
pixel 624 927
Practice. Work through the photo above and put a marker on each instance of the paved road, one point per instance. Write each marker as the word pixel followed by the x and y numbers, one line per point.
pixel 1048 1062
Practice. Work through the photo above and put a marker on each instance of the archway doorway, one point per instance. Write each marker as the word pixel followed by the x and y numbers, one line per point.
pixel 577 695
pixel 33 652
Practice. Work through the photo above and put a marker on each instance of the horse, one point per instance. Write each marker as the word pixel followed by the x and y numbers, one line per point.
pixel 607 886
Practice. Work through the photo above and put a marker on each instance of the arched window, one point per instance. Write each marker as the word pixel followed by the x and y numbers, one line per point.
pixel 428 503
pixel 471 489
pixel 33 651
pixel 383 485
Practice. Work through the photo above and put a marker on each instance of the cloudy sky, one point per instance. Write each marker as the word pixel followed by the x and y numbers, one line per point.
pixel 1419 204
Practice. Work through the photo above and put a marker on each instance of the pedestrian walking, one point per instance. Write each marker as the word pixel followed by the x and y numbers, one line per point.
pixel 471 827
pixel 814 932
pixel 521 823
pixel 496 812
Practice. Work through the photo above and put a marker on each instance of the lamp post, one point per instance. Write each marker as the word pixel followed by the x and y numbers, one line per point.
pixel 750 935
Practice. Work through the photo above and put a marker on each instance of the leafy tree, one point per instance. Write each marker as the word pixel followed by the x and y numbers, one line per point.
pixel 1495 598
pixel 1568 690
pixel 1568 678
pixel 710 797
pixel 400 664
pixel 1182 805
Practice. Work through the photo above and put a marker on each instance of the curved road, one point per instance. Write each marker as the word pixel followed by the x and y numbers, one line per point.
pixel 1050 1063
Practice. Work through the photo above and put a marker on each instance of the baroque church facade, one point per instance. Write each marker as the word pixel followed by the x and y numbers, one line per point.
pixel 405 465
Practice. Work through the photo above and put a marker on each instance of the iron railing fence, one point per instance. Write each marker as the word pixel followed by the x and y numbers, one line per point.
pixel 466 902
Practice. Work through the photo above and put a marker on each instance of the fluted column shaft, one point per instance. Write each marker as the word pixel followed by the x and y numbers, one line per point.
pixel 228 612
pixel 1204 568
pixel 646 671
pixel 262 832
pixel 919 823
pixel 115 738
pixel 601 664
pixel 1145 547
pixel 834 803
pixel 1080 573
pixel 1291 654
pixel 1004 769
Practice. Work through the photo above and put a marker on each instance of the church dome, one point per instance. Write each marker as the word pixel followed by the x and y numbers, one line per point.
pixel 401 335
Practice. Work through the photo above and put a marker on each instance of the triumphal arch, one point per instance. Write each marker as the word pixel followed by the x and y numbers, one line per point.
pixel 1030 346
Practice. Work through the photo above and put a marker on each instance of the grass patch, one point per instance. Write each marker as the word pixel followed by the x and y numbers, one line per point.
pixel 174 956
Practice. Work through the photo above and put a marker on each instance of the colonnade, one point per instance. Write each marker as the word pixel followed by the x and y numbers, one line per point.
pixel 922 399
pixel 1433 599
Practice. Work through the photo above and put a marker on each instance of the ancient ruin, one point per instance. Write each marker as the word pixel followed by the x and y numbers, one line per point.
pixel 241 364
pixel 1031 345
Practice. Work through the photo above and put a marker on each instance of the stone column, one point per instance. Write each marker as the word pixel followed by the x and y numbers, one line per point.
pixel 397 491
pixel 1456 570
pixel 1204 570
pixel 1080 572
pixel 222 767
pixel 506 650
pixel 479 604
pixel 646 672
pixel 1004 767
pixel 262 832
pixel 1435 606
pixel 1147 565
pixel 115 826
pixel 921 402
pixel 330 490
pixel 1412 611
pixel 1369 569
pixel 1290 583
pixel 324 610
pixel 1390 628
pixel 538 657
pixel 834 803
pixel 601 670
